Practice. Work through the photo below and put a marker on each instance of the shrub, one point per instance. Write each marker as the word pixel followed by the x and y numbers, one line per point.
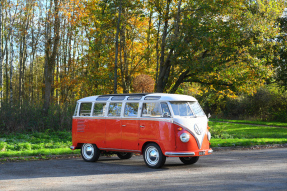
pixel 3 146
pixel 31 118
pixel 267 104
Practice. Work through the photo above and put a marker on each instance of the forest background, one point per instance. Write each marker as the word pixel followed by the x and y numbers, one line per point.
pixel 230 55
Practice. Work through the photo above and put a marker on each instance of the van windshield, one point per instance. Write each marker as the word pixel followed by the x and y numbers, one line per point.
pixel 181 108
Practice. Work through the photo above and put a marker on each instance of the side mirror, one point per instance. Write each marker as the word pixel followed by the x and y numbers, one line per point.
pixel 208 116
pixel 166 114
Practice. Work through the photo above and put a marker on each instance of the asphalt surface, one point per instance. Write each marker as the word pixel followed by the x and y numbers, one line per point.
pixel 264 169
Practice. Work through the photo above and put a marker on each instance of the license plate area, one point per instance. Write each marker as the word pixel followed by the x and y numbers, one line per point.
pixel 201 153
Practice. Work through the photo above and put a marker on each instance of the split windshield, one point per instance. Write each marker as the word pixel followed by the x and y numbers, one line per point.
pixel 183 108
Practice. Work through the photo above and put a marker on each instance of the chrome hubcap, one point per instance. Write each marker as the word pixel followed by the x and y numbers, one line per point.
pixel 152 155
pixel 88 151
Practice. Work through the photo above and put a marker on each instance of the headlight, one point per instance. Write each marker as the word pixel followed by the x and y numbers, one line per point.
pixel 208 135
pixel 184 137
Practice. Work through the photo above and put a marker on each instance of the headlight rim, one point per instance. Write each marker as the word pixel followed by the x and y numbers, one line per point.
pixel 184 137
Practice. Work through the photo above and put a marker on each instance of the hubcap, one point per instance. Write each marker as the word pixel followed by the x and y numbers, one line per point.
pixel 152 155
pixel 88 151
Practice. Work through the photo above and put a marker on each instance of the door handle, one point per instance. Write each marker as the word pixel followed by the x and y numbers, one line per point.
pixel 123 125
pixel 142 126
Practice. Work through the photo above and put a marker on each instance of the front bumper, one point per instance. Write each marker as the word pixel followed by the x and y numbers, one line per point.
pixel 72 147
pixel 188 154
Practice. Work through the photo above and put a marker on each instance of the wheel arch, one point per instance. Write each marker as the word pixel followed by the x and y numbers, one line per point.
pixel 147 142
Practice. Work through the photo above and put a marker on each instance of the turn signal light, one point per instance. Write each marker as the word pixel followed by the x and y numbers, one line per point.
pixel 179 129
pixel 208 126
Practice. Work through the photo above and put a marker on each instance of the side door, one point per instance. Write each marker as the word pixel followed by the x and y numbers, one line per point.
pixel 149 123
pixel 130 126
pixel 113 126
pixel 98 124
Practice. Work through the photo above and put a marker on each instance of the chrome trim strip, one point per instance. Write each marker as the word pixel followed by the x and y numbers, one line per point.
pixel 125 118
pixel 179 154
pixel 156 119
pixel 119 149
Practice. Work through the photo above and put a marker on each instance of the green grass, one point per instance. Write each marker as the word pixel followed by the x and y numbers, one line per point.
pixel 230 134
pixel 33 144
pixel 279 124
pixel 58 143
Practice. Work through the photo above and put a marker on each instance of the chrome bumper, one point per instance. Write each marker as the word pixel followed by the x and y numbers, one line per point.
pixel 183 154
pixel 72 147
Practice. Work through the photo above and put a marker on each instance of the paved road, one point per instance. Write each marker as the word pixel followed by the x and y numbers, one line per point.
pixel 224 170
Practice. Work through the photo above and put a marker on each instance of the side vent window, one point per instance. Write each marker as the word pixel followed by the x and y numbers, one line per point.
pixel 85 109
pixel 99 109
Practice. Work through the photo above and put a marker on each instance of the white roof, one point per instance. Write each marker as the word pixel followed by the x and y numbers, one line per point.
pixel 163 97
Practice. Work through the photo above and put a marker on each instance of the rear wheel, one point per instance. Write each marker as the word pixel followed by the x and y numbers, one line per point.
pixel 125 155
pixel 90 152
pixel 189 160
pixel 153 156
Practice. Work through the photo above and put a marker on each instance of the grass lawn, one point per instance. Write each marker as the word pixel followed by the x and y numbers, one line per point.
pixel 279 124
pixel 230 134
pixel 33 144
pixel 57 143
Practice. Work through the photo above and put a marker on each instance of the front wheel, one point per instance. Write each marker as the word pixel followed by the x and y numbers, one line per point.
pixel 90 152
pixel 125 155
pixel 189 160
pixel 153 156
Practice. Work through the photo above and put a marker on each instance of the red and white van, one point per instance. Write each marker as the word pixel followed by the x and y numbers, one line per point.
pixel 155 125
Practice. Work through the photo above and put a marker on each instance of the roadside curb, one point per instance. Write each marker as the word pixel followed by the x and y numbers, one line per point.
pixel 248 124
pixel 250 147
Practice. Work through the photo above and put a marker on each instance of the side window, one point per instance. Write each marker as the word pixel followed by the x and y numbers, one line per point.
pixel 115 109
pixel 151 110
pixel 165 110
pixel 85 109
pixel 131 109
pixel 196 109
pixel 99 109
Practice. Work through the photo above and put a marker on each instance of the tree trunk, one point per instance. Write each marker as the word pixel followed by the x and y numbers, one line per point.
pixel 116 46
pixel 1 56
pixel 51 58
pixel 165 64
pixel 11 70
pixel 157 51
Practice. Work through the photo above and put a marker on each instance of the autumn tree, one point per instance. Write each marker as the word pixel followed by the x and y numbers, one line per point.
pixel 143 84
pixel 219 43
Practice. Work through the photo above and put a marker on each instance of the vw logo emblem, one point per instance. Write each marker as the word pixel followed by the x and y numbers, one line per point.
pixel 197 129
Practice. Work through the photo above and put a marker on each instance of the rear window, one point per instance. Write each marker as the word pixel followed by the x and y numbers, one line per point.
pixel 76 110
